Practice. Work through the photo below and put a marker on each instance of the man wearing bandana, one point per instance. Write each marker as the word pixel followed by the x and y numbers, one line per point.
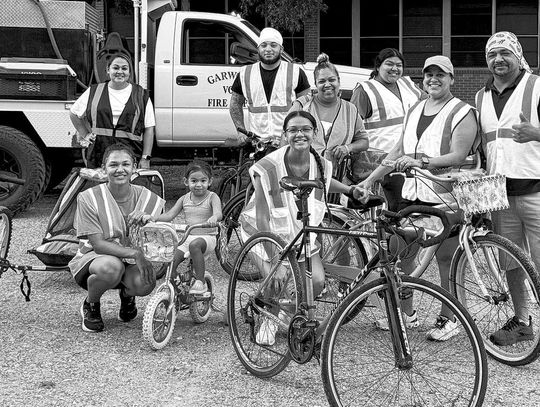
pixel 509 119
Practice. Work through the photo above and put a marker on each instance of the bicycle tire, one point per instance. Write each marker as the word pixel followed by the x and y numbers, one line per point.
pixel 350 252
pixel 226 184
pixel 358 363
pixel 230 241
pixel 159 320
pixel 491 316
pixel 6 217
pixel 243 305
pixel 200 310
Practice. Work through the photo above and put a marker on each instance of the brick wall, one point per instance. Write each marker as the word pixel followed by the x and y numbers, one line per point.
pixel 311 38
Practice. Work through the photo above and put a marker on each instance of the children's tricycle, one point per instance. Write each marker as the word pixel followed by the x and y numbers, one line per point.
pixel 159 241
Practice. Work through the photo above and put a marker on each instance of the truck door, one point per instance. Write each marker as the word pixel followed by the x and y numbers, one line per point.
pixel 203 73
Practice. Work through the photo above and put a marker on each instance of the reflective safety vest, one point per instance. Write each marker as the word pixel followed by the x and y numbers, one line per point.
pixel 266 119
pixel 130 123
pixel 503 154
pixel 385 125
pixel 435 142
pixel 281 203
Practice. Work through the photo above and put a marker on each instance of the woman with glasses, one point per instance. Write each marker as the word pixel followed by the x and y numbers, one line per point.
pixel 383 102
pixel 273 209
pixel 341 130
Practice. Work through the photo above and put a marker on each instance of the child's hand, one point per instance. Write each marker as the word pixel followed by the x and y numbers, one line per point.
pixel 212 221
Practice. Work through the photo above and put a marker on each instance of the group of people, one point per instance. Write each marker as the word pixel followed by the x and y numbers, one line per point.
pixel 427 128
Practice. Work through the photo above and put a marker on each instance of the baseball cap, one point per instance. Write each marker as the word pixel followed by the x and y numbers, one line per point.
pixel 442 62
pixel 269 34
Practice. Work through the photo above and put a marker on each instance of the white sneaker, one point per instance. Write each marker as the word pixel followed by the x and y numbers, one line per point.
pixel 444 329
pixel 266 335
pixel 410 322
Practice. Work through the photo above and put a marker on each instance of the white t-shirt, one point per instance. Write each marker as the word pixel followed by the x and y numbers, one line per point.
pixel 118 100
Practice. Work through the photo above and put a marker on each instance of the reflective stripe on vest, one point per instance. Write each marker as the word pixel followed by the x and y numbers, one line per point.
pixel 136 99
pixel 272 108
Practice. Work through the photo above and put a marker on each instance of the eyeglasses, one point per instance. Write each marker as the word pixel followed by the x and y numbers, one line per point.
pixel 293 131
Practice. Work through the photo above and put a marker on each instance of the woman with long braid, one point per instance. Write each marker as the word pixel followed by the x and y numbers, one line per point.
pixel 274 209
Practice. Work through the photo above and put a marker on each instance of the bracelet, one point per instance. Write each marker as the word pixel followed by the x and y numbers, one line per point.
pixel 351 191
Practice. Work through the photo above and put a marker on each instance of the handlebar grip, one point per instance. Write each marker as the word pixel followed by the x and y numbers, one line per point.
pixel 250 134
pixel 430 210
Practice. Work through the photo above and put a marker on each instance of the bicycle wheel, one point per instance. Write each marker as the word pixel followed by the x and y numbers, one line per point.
pixel 200 310
pixel 340 251
pixel 5 231
pixel 358 363
pixel 159 319
pixel 226 185
pixel 494 256
pixel 256 307
pixel 230 241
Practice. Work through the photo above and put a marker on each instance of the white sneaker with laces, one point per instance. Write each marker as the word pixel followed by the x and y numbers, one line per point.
pixel 410 322
pixel 444 329
pixel 266 335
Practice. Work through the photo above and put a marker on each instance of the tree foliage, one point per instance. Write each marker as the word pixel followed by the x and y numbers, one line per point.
pixel 287 15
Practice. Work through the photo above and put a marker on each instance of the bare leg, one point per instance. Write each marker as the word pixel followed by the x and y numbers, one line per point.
pixel 444 259
pixel 105 274
pixel 197 248
pixel 135 286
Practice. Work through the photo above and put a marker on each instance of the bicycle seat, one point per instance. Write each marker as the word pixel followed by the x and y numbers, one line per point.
pixel 292 183
pixel 373 201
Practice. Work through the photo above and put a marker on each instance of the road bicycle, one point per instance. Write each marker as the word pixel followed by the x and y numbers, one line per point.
pixel 361 365
pixel 235 189
pixel 159 241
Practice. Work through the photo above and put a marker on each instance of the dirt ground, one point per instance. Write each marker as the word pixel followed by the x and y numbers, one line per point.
pixel 47 360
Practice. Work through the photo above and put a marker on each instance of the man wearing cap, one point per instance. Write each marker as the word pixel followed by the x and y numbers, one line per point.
pixel 509 118
pixel 269 87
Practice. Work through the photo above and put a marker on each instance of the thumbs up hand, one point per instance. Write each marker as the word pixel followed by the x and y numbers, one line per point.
pixel 525 131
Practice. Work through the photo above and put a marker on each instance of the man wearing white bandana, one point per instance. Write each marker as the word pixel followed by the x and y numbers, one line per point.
pixel 509 118
pixel 269 87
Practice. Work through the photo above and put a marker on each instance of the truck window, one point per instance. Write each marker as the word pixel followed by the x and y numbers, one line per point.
pixel 210 43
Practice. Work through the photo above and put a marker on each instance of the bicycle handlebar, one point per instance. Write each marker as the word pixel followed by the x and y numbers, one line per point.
pixel 187 229
pixel 448 220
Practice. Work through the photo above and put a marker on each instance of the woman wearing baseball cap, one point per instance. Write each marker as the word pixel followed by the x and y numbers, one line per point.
pixel 439 132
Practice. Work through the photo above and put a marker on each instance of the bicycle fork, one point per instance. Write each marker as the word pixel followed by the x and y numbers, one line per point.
pixel 398 331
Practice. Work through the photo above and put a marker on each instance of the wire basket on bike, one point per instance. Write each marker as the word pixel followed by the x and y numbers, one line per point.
pixel 158 241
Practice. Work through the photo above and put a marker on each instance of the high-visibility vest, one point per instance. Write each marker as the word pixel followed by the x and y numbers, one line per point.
pixel 266 119
pixel 385 125
pixel 130 123
pixel 503 154
pixel 281 203
pixel 435 142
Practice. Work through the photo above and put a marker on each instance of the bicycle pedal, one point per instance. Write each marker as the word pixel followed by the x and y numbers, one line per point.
pixel 205 296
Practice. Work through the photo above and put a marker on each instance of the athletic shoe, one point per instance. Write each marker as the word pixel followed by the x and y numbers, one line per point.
pixel 266 335
pixel 512 332
pixel 128 308
pixel 444 329
pixel 410 322
pixel 91 317
pixel 198 288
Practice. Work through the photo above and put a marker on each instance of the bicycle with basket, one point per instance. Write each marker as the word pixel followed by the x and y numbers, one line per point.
pixel 158 241
pixel 360 364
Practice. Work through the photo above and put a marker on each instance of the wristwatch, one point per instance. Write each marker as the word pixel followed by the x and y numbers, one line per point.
pixel 425 162
pixel 146 157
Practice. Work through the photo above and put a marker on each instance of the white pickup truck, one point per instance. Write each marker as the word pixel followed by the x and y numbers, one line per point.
pixel 192 60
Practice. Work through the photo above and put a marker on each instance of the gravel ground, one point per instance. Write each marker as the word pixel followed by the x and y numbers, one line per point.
pixel 47 360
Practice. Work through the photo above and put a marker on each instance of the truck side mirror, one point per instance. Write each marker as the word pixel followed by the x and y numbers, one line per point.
pixel 243 54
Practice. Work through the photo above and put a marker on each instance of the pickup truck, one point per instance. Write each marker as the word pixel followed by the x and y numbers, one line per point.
pixel 193 61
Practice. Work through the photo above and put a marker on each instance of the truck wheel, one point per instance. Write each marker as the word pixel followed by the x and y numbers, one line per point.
pixel 20 157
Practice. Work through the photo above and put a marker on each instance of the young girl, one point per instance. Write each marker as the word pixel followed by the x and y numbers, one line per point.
pixel 199 205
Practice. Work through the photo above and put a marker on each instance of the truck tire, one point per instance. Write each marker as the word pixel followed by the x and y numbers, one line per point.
pixel 20 157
